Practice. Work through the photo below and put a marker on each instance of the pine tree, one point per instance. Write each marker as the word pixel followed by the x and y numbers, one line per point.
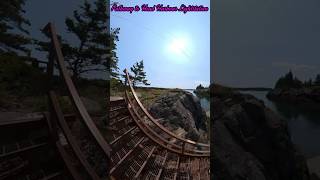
pixel 310 82
pixel 113 62
pixel 289 76
pixel 317 80
pixel 11 19
pixel 288 81
pixel 139 76
pixel 200 87
pixel 96 48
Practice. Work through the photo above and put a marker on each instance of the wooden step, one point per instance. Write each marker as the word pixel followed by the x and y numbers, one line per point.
pixel 120 120
pixel 146 160
pixel 127 155
pixel 11 167
pixel 123 135
pixel 117 109
pixel 22 146
pixel 41 175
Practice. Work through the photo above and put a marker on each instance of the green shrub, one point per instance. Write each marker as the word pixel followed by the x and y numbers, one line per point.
pixel 19 78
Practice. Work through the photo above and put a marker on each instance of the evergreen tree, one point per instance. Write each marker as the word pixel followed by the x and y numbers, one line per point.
pixel 289 76
pixel 139 76
pixel 317 80
pixel 310 82
pixel 113 62
pixel 296 83
pixel 288 81
pixel 11 19
pixel 200 87
pixel 96 48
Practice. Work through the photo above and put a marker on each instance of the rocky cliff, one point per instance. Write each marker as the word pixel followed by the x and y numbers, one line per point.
pixel 181 110
pixel 251 142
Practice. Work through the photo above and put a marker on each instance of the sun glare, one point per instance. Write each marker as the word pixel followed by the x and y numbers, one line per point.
pixel 177 46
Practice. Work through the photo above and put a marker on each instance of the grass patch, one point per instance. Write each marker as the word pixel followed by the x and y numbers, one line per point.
pixel 147 95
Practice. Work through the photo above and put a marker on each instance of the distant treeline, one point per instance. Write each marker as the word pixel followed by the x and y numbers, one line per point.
pixel 202 91
pixel 290 81
pixel 93 51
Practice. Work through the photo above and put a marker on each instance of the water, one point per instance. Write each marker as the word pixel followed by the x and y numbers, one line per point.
pixel 303 122
pixel 205 103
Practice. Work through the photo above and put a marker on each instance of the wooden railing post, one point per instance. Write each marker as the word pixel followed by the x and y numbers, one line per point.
pixel 182 150
pixel 50 73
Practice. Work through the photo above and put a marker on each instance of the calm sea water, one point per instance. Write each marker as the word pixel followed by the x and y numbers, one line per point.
pixel 205 103
pixel 303 122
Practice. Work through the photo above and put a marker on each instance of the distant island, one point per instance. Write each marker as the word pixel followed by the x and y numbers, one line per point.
pixel 290 89
pixel 202 91
pixel 205 91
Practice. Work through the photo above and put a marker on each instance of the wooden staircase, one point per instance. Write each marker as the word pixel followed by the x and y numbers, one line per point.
pixel 27 152
pixel 137 156
pixel 134 146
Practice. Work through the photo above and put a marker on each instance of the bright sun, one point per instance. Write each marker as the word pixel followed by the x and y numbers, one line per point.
pixel 177 46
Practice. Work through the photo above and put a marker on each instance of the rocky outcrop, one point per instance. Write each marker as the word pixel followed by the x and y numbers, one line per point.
pixel 302 95
pixel 181 110
pixel 252 142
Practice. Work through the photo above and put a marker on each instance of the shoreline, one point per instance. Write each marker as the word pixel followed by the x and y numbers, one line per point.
pixel 296 95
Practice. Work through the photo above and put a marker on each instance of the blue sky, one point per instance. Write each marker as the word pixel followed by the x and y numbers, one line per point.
pixel 41 12
pixel 256 41
pixel 150 36
pixel 144 36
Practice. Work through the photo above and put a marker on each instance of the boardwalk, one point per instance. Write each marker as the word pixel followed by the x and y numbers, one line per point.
pixel 132 146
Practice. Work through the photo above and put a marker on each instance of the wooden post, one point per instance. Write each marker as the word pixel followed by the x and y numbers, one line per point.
pixel 183 144
pixel 50 69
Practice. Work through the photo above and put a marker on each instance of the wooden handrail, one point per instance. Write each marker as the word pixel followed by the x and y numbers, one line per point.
pixel 71 140
pixel 163 145
pixel 81 110
pixel 34 119
pixel 153 119
pixel 202 152
pixel 135 116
